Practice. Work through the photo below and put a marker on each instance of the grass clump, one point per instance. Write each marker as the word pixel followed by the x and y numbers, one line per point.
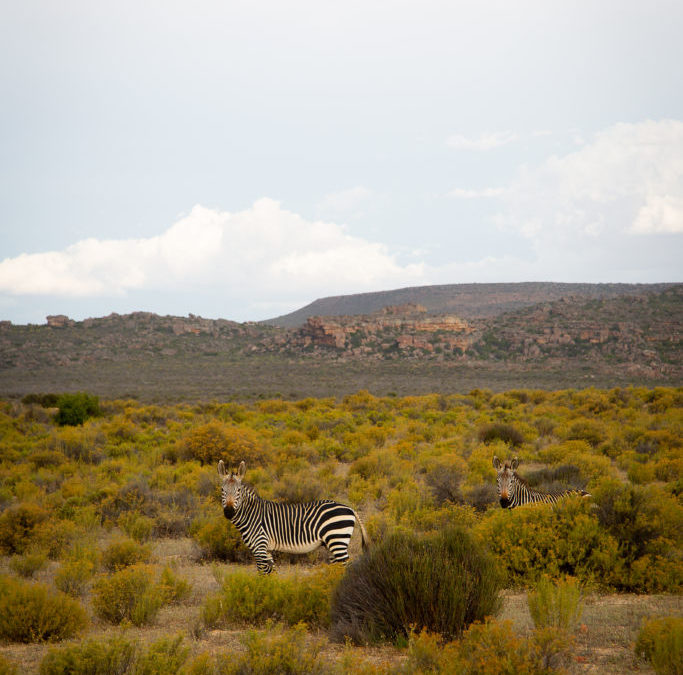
pixel 31 612
pixel 441 582
pixel 660 642
pixel 247 598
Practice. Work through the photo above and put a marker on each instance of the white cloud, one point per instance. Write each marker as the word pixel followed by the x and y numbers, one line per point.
pixel 264 252
pixel 627 180
pixel 487 141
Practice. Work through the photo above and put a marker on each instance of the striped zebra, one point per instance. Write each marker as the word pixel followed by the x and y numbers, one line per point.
pixel 513 490
pixel 291 528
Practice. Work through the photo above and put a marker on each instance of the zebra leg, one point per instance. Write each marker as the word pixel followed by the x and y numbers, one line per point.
pixel 264 561
pixel 338 548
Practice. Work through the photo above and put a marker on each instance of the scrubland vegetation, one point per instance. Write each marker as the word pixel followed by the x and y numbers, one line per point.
pixel 116 557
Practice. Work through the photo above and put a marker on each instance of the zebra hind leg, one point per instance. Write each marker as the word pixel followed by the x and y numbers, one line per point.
pixel 339 550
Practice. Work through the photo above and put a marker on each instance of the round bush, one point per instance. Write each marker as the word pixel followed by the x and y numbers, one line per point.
pixel 441 582
pixel 33 613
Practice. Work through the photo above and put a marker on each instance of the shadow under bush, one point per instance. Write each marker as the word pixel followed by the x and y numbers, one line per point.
pixel 441 582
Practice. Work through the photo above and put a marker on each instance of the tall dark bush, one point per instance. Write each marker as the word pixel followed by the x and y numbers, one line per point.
pixel 503 432
pixel 74 409
pixel 441 581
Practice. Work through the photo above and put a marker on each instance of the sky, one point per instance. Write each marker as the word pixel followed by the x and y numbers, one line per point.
pixel 239 160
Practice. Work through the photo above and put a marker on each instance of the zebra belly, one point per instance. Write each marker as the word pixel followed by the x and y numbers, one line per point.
pixel 304 547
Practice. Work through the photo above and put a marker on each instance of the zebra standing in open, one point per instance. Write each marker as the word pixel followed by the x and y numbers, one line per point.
pixel 291 528
pixel 513 490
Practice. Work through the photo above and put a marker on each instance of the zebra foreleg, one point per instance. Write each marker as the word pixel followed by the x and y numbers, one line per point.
pixel 264 561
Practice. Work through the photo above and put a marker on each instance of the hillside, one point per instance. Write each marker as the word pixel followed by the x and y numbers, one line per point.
pixel 576 341
pixel 468 301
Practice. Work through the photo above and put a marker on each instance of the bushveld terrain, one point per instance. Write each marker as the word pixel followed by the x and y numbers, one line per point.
pixel 114 546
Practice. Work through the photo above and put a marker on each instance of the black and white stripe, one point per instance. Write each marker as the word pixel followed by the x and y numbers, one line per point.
pixel 268 526
pixel 514 491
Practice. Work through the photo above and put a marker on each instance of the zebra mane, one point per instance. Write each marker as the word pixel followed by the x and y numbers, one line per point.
pixel 556 492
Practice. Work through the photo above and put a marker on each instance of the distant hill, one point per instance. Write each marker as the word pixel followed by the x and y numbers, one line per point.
pixel 593 335
pixel 469 301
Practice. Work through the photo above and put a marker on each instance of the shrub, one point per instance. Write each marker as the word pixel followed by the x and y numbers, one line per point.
pixel 499 431
pixel 74 576
pixel 74 409
pixel 286 651
pixel 128 594
pixel 17 527
pixel 7 668
pixel 215 440
pixel 33 613
pixel 557 605
pixel 564 540
pixel 173 588
pixel 440 581
pixel 660 641
pixel 246 598
pixel 163 657
pixel 489 648
pixel 219 540
pixel 28 564
pixel 123 553
pixel 94 657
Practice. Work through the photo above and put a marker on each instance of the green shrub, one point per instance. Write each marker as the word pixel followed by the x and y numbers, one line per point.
pixel 218 539
pixel 31 612
pixel 73 577
pixel 123 553
pixel 163 657
pixel 499 431
pixel 564 540
pixel 246 598
pixel 660 641
pixel 116 656
pixel 129 594
pixel 645 523
pixel 18 525
pixel 28 564
pixel 285 651
pixel 440 581
pixel 489 648
pixel 6 667
pixel 557 605
pixel 173 589
pixel 74 409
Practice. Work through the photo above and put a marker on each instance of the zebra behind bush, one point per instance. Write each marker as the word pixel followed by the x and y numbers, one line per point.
pixel 291 528
pixel 514 491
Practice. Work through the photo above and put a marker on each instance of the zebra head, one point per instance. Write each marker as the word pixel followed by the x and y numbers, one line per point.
pixel 231 491
pixel 505 479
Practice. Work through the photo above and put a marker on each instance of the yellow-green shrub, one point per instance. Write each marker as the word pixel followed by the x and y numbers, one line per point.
pixel 216 440
pixel 74 576
pixel 556 604
pixel 124 552
pixel 218 539
pixel 17 527
pixel 660 641
pixel 246 598
pixel 277 650
pixel 93 657
pixel 28 564
pixel 540 539
pixel 129 594
pixel 31 612
pixel 7 667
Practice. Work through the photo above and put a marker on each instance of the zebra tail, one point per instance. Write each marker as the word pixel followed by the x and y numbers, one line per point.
pixel 365 541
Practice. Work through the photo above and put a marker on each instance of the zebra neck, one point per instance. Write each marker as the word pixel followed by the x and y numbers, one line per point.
pixel 251 504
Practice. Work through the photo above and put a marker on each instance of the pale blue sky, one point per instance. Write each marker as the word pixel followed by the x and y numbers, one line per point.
pixel 240 159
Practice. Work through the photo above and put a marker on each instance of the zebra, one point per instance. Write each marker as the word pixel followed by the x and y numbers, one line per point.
pixel 514 491
pixel 291 528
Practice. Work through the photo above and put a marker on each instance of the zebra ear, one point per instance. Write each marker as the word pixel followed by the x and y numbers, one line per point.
pixel 242 470
pixel 496 463
pixel 221 469
pixel 514 464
